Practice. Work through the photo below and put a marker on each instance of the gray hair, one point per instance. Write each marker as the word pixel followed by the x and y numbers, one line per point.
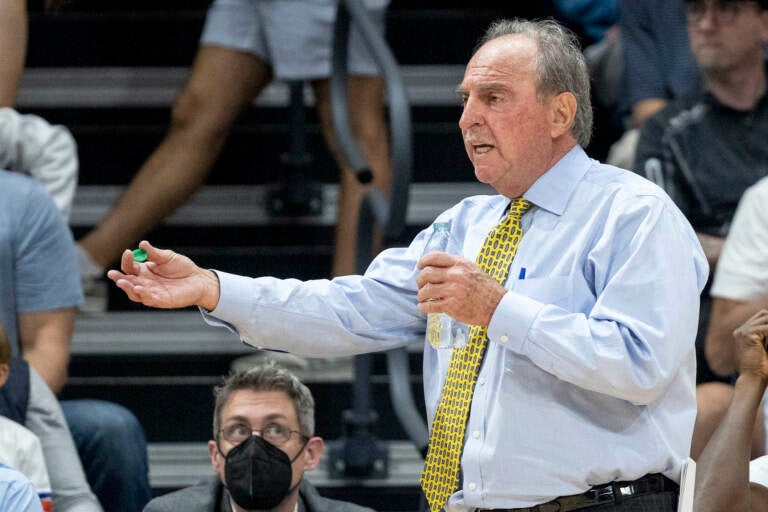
pixel 560 65
pixel 267 376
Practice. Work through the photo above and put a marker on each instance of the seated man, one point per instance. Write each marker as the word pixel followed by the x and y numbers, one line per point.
pixel 37 310
pixel 263 442
pixel 723 471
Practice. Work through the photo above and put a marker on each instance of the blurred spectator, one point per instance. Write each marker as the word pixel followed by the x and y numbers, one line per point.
pixel 725 479
pixel 597 22
pixel 739 289
pixel 245 45
pixel 39 291
pixel 264 418
pixel 657 66
pixel 593 18
pixel 28 401
pixel 709 146
pixel 19 447
pixel 740 285
pixel 17 492
pixel 47 153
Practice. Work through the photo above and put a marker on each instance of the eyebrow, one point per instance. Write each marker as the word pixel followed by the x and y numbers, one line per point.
pixel 488 87
pixel 267 419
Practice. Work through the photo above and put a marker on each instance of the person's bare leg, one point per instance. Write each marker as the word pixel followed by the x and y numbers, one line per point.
pixel 222 81
pixel 713 399
pixel 13 48
pixel 366 104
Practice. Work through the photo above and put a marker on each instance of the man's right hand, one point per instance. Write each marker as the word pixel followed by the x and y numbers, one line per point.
pixel 751 344
pixel 166 280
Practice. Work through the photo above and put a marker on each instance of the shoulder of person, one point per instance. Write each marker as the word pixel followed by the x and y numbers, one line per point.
pixel 316 503
pixel 14 182
pixel 18 190
pixel 198 498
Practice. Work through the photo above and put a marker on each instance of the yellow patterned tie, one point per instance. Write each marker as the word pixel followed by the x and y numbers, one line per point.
pixel 440 477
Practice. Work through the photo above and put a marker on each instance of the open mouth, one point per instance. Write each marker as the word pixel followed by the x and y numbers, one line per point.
pixel 481 149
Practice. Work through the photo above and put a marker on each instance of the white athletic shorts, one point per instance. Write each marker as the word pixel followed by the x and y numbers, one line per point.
pixel 294 36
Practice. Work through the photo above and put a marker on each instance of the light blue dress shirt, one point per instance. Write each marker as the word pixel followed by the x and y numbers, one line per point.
pixel 589 374
pixel 17 493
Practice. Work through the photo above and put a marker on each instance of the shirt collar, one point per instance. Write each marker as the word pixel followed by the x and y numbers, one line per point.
pixel 554 188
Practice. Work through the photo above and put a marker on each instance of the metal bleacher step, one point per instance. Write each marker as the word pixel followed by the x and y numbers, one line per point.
pixel 155 332
pixel 105 87
pixel 240 205
pixel 175 465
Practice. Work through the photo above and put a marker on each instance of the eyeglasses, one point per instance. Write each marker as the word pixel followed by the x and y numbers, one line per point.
pixel 724 12
pixel 273 433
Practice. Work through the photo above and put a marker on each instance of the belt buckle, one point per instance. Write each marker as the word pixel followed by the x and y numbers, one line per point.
pixel 601 495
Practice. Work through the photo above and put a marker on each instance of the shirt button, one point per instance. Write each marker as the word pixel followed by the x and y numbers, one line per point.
pixel 481 381
pixel 504 338
pixel 472 486
pixel 476 434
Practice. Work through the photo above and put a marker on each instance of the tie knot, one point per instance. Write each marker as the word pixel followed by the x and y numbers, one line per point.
pixel 518 206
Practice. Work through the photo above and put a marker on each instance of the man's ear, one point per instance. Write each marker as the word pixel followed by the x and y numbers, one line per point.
pixel 217 460
pixel 5 372
pixel 562 112
pixel 313 452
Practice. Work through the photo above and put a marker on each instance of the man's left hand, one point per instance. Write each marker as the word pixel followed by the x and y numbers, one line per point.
pixel 456 286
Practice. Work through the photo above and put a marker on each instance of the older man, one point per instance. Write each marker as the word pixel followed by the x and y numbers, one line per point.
pixel 575 388
pixel 263 443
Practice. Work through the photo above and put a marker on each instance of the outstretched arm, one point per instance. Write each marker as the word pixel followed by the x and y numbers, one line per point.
pixel 722 472
pixel 166 280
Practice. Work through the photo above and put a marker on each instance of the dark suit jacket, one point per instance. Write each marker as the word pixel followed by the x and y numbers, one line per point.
pixel 210 496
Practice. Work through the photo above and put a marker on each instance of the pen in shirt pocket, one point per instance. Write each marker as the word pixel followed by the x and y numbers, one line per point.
pixel 522 273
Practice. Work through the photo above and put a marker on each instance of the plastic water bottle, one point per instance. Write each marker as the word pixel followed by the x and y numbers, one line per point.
pixel 442 330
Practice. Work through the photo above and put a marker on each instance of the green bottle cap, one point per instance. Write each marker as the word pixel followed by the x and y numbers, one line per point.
pixel 139 255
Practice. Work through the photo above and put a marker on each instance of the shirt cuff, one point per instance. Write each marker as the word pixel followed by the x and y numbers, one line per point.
pixel 234 304
pixel 512 321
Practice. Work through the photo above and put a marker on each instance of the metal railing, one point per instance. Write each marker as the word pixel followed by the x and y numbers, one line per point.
pixel 358 453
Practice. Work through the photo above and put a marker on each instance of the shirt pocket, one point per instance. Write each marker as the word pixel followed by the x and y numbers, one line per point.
pixel 555 290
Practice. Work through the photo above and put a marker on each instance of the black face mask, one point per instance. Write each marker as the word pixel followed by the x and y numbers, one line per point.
pixel 258 474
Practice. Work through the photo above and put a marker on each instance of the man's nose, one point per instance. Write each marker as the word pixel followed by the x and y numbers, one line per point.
pixel 470 115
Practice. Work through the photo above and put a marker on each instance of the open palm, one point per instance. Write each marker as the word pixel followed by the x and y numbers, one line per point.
pixel 165 280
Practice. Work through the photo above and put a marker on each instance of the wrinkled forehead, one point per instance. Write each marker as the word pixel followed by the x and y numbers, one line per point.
pixel 506 57
pixel 258 405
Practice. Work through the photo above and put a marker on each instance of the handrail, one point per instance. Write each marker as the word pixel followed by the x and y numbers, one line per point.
pixel 377 210
pixel 399 112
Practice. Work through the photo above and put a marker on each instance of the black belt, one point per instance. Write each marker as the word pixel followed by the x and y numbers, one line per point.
pixel 613 492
